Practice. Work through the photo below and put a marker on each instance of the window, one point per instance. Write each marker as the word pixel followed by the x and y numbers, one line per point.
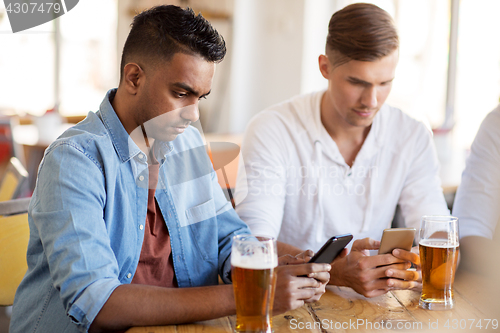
pixel 87 67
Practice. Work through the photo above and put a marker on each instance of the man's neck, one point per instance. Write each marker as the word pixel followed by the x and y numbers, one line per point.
pixel 349 139
pixel 121 107
pixel 123 111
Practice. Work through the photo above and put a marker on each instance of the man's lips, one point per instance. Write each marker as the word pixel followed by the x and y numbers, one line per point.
pixel 179 129
pixel 364 113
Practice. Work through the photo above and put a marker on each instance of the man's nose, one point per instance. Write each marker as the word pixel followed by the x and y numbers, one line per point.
pixel 191 112
pixel 369 97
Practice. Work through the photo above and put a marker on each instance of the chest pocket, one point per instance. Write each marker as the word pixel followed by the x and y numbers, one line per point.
pixel 204 234
pixel 200 212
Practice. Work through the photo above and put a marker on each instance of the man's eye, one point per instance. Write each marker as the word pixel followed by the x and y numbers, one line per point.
pixel 180 95
pixel 202 97
pixel 357 83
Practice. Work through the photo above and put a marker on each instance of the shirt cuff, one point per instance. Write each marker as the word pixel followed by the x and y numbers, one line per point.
pixel 90 302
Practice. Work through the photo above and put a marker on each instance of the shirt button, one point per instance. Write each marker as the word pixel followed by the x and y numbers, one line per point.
pixel 129 275
pixel 141 156
pixel 141 178
pixel 141 227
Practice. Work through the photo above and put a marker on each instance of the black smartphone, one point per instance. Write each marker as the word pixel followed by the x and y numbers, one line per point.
pixel 331 249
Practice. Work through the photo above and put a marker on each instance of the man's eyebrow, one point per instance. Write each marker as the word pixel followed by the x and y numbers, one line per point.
pixel 356 80
pixel 186 87
pixel 189 89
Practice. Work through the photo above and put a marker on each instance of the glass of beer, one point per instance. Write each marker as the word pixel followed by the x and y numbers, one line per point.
pixel 438 248
pixel 253 263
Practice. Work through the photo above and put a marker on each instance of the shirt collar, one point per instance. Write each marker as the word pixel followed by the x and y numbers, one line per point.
pixel 124 145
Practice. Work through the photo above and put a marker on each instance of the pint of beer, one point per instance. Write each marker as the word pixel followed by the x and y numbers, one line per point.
pixel 438 248
pixel 253 262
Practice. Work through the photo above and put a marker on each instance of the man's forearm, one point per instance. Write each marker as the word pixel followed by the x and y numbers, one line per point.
pixel 141 305
pixel 284 249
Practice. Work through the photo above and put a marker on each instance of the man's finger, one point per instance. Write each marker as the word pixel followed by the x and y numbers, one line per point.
pixel 289 260
pixel 381 272
pixel 305 294
pixel 405 285
pixel 319 292
pixel 386 259
pixel 407 255
pixel 375 288
pixel 306 255
pixel 322 277
pixel 306 269
pixel 372 262
pixel 303 270
pixel 409 275
pixel 365 244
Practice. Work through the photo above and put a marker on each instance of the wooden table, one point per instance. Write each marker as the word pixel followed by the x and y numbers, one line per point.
pixel 343 310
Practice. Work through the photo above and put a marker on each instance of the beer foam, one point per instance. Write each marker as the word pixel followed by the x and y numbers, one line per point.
pixel 254 261
pixel 439 243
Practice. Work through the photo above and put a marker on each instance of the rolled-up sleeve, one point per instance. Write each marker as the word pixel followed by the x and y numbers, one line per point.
pixel 68 213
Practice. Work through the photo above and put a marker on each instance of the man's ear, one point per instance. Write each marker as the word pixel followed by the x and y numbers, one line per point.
pixel 324 66
pixel 133 77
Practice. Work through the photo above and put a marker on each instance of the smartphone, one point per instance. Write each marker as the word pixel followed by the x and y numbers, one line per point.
pixel 331 249
pixel 396 238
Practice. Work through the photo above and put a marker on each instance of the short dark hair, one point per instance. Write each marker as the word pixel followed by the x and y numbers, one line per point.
pixel 360 31
pixel 160 32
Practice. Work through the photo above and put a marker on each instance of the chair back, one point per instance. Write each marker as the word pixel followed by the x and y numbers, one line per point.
pixel 14 181
pixel 14 237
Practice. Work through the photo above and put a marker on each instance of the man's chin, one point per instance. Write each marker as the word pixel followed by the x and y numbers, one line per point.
pixel 362 123
pixel 170 137
pixel 165 137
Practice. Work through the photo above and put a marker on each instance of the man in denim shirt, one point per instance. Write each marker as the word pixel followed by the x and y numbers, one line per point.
pixel 90 223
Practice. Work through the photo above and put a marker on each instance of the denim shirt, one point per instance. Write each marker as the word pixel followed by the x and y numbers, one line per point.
pixel 87 218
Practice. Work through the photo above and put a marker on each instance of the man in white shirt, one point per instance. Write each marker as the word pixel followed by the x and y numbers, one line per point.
pixel 341 161
pixel 477 203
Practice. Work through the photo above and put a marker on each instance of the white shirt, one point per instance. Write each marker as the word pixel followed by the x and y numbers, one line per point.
pixel 294 184
pixel 477 203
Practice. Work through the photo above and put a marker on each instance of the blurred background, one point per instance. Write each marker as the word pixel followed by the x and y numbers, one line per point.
pixel 448 74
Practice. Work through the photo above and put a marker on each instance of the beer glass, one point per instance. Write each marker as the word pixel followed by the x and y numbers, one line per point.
pixel 438 248
pixel 253 263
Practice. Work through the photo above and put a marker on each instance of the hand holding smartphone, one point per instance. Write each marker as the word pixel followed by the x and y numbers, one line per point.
pixel 331 249
pixel 396 238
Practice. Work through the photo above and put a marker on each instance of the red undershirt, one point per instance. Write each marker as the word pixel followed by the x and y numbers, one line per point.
pixel 156 267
